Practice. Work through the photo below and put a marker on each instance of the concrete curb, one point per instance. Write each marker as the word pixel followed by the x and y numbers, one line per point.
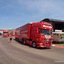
pixel 58 46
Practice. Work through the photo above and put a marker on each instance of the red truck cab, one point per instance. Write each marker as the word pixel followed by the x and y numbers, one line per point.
pixel 5 33
pixel 38 34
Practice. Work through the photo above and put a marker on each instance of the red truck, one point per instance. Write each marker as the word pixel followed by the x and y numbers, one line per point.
pixel 5 33
pixel 38 34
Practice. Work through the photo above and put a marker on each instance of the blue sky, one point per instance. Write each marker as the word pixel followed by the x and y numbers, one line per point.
pixel 15 13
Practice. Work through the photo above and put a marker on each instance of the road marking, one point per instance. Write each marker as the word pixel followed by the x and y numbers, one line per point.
pixel 59 61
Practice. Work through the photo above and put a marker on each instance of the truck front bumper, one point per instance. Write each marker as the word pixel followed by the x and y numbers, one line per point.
pixel 42 45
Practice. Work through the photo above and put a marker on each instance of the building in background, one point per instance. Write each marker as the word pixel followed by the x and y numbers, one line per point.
pixel 57 24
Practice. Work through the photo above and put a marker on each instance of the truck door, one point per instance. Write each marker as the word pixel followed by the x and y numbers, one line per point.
pixel 34 33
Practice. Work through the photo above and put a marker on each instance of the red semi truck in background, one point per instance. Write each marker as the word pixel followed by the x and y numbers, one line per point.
pixel 5 33
pixel 38 34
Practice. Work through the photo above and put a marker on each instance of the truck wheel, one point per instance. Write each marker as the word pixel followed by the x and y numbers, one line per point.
pixel 34 45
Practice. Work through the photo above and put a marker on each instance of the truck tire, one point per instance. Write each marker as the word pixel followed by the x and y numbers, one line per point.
pixel 34 44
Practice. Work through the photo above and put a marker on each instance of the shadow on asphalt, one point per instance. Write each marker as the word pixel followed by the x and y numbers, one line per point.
pixel 19 41
pixel 44 48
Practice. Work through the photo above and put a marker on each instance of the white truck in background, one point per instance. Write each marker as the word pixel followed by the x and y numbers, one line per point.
pixel 58 36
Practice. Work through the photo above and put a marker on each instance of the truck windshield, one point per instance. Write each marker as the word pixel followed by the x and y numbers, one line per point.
pixel 5 32
pixel 44 31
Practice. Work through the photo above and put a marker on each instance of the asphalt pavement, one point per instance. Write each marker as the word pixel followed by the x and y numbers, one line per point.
pixel 16 53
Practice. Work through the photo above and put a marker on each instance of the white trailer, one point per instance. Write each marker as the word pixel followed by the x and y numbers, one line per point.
pixel 58 36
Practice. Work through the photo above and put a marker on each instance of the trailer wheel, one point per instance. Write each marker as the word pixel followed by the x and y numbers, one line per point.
pixel 34 44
